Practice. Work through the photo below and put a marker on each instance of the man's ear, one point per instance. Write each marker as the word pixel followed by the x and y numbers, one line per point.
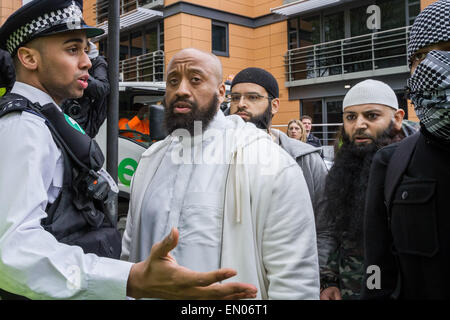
pixel 222 93
pixel 398 118
pixel 275 106
pixel 29 58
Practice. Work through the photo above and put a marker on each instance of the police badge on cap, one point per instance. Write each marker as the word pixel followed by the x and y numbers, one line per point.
pixel 42 18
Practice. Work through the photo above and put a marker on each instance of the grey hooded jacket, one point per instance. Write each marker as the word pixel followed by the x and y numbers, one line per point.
pixel 315 172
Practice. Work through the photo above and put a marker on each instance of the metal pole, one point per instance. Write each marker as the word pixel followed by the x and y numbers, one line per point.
pixel 112 140
pixel 113 75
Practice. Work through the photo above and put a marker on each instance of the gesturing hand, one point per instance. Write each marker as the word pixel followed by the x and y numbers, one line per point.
pixel 159 276
pixel 331 293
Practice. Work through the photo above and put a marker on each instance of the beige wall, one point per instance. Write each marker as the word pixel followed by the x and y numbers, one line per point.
pixel 7 7
pixel 425 3
pixel 248 8
pixel 89 13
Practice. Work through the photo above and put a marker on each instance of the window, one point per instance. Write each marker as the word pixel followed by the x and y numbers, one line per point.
pixel 333 26
pixel 136 45
pixel 138 42
pixel 220 38
pixel 151 40
pixel 293 33
pixel 413 10
pixel 309 31
pixel 392 14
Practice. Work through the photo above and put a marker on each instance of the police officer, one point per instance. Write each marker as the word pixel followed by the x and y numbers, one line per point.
pixel 56 239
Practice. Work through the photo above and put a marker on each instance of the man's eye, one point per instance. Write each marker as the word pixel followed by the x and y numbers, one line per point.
pixel 73 50
pixel 252 97
pixel 350 117
pixel 372 116
pixel 235 98
pixel 173 81
pixel 419 56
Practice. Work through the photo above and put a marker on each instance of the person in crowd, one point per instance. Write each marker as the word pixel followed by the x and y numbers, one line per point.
pixel 90 110
pixel 407 243
pixel 7 72
pixel 57 240
pixel 296 130
pixel 248 89
pixel 139 123
pixel 226 186
pixel 310 139
pixel 371 119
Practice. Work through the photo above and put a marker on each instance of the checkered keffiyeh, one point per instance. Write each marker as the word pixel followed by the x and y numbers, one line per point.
pixel 430 92
pixel 431 26
pixel 40 24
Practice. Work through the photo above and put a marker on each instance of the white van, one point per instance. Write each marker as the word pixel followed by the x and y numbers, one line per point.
pixel 132 143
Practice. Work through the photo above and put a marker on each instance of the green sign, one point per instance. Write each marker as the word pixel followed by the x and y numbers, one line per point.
pixel 127 167
pixel 74 124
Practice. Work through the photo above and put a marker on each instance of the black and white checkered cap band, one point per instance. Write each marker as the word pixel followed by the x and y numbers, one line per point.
pixel 431 26
pixel 21 35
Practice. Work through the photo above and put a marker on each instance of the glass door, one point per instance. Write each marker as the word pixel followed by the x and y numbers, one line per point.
pixel 314 109
pixel 333 111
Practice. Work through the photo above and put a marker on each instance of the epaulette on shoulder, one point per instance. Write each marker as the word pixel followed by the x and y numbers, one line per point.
pixel 13 102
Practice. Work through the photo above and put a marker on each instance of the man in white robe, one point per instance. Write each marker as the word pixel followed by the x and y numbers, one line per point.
pixel 237 199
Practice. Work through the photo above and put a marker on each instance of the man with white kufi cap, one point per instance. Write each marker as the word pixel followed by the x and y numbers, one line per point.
pixel 371 119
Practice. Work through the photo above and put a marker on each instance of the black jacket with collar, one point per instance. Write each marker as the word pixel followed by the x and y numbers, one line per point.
pixel 416 246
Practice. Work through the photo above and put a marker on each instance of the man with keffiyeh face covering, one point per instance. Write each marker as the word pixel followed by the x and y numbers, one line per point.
pixel 406 215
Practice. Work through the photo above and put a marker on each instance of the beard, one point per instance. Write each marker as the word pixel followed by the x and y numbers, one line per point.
pixel 173 121
pixel 346 183
pixel 261 121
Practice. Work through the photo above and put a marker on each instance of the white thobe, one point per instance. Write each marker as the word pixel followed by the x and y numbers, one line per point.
pixel 253 214
pixel 189 196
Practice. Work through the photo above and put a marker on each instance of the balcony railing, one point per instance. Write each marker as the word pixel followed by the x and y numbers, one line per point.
pixel 101 7
pixel 147 67
pixel 375 51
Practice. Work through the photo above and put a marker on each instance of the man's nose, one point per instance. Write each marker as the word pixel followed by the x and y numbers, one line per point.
pixel 242 102
pixel 183 89
pixel 85 62
pixel 361 123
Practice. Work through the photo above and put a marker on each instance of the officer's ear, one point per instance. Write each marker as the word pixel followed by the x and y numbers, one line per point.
pixel 28 58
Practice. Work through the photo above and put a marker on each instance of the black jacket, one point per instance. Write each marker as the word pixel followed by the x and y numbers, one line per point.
pixel 7 71
pixel 416 246
pixel 91 109
pixel 313 140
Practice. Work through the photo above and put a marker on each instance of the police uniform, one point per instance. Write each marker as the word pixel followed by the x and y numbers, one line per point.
pixel 33 171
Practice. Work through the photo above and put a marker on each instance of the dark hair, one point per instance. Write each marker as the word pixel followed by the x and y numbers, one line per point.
pixel 306 117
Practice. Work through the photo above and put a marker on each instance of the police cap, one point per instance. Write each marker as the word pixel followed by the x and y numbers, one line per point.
pixel 43 18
